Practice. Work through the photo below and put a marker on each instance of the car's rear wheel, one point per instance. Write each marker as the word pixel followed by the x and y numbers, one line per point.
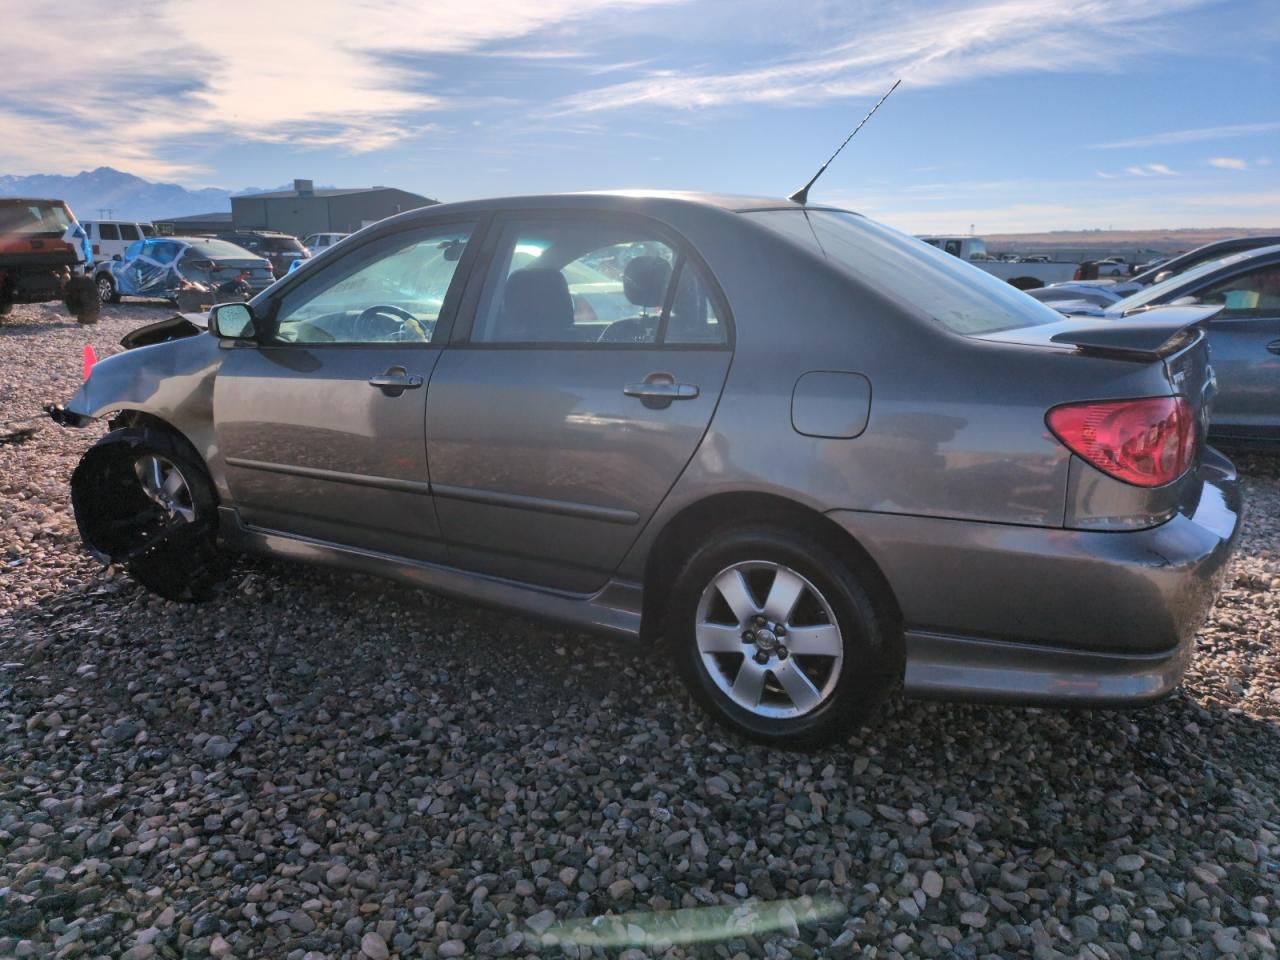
pixel 143 499
pixel 107 290
pixel 777 638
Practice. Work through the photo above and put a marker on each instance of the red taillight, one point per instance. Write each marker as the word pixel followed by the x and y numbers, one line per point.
pixel 1078 275
pixel 89 359
pixel 1147 442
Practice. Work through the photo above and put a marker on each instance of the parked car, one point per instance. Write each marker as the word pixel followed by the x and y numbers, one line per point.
pixel 816 459
pixel 279 248
pixel 320 242
pixel 1027 273
pixel 1244 337
pixel 1160 270
pixel 112 237
pixel 1077 291
pixel 43 252
pixel 162 266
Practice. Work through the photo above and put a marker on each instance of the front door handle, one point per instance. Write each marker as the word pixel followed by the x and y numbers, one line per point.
pixel 1274 346
pixel 395 381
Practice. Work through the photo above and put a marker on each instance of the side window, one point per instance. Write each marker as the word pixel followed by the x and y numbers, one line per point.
pixel 1252 294
pixel 693 317
pixel 127 231
pixel 148 230
pixel 163 251
pixel 953 247
pixel 575 282
pixel 109 231
pixel 385 292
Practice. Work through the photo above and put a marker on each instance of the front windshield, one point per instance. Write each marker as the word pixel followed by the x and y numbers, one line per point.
pixel 961 297
pixel 33 217
pixel 1163 292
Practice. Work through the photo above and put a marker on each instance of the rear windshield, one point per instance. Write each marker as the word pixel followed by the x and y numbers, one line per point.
pixel 279 243
pixel 222 250
pixel 33 218
pixel 961 297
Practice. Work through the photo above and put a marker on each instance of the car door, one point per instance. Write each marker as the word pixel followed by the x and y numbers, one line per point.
pixel 320 423
pixel 595 352
pixel 1244 347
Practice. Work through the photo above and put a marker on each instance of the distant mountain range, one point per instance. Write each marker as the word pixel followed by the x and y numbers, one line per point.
pixel 107 193
pixel 92 193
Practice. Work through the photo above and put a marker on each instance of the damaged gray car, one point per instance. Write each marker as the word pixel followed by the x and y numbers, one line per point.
pixel 810 456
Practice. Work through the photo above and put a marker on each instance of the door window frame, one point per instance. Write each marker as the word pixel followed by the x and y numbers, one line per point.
pixel 684 252
pixel 445 324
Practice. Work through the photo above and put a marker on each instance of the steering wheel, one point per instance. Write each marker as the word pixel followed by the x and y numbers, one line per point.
pixel 382 321
pixel 631 330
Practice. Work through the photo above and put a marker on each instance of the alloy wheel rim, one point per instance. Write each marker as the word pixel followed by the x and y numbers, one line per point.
pixel 104 290
pixel 165 486
pixel 769 640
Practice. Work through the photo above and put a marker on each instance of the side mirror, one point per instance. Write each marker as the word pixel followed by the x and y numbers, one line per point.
pixel 115 257
pixel 232 321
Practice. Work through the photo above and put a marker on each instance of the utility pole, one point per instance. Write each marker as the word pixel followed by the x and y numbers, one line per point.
pixel 104 213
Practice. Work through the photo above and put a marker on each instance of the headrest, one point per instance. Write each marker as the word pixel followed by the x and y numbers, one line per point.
pixel 645 281
pixel 536 304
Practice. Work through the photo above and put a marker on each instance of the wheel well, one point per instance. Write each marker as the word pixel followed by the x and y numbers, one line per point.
pixel 140 418
pixel 694 523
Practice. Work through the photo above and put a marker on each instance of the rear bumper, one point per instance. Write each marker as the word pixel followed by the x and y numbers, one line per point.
pixel 1037 615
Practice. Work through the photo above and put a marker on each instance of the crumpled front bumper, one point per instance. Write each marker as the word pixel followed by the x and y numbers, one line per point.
pixel 1002 613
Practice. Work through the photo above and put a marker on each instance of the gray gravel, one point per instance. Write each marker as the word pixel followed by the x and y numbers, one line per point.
pixel 317 766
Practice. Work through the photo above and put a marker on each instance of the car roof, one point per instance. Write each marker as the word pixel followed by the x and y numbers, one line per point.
pixel 622 199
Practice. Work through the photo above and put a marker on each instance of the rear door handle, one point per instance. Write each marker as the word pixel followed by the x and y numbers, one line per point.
pixel 1274 346
pixel 662 390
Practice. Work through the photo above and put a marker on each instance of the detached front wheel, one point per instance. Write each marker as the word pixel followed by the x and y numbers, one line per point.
pixel 777 638
pixel 143 499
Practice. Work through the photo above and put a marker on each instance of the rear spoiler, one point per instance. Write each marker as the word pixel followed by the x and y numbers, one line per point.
pixel 1144 335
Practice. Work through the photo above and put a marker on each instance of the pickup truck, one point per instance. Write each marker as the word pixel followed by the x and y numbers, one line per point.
pixel 1025 274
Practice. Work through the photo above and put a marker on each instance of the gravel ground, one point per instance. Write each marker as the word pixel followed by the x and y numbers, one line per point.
pixel 318 766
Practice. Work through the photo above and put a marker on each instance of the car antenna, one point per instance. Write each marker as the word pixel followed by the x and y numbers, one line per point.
pixel 801 196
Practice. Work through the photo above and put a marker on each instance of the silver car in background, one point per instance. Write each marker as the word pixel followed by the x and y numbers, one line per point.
pixel 811 457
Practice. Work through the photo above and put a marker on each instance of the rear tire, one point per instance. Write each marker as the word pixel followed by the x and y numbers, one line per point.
pixel 142 497
pixel 797 593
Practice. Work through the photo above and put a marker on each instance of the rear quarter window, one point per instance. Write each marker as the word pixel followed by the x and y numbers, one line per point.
pixel 961 297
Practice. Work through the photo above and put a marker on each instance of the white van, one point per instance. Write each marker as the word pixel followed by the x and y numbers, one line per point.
pixel 111 237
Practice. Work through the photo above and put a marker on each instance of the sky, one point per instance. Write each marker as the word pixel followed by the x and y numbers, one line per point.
pixel 1013 115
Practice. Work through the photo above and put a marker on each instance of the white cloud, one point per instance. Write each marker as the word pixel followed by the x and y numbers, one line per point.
pixel 119 84
pixel 1190 136
pixel 1149 169
pixel 936 46
pixel 1229 163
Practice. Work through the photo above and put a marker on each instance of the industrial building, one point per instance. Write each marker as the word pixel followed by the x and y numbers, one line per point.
pixel 305 210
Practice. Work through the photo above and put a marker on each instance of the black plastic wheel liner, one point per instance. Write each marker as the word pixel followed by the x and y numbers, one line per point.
pixel 117 521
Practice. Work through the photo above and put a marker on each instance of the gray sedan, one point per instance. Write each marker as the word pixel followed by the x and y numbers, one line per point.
pixel 810 457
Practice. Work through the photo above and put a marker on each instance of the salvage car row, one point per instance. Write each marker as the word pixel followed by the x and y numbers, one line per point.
pixel 812 456
pixel 45 254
